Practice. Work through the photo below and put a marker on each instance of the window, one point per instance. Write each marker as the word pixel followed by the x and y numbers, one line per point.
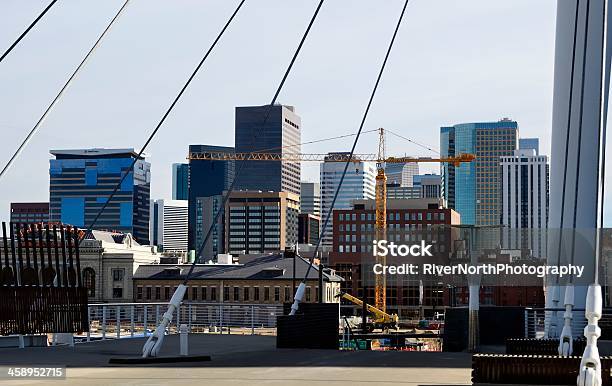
pixel 118 274
pixel 287 294
pixel 204 293
pixel 118 293
pixel 236 294
pixel 157 292
pixel 256 294
pixel 194 293
pixel 139 292
pixel 307 294
pixel 148 292
pixel 89 282
pixel 266 294
pixel 166 293
pixel 213 293
pixel 277 294
pixel 225 293
pixel 245 294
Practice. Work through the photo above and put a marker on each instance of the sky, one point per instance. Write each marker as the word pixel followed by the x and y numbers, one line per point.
pixel 453 61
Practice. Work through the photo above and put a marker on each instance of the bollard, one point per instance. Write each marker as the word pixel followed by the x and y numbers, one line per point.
pixel 184 336
pixel 21 341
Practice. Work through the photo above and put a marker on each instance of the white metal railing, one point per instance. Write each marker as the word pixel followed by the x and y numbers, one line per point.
pixel 119 320
pixel 536 320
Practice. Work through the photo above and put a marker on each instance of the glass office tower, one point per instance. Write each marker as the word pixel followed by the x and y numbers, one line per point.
pixel 281 133
pixel 206 179
pixel 473 189
pixel 180 181
pixel 82 180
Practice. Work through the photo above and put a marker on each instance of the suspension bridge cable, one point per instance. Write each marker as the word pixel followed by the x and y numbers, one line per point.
pixel 163 119
pixel 27 30
pixel 233 184
pixel 412 141
pixel 61 92
pixel 349 159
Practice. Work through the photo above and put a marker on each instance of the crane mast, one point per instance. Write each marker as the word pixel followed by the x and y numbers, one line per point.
pixel 380 288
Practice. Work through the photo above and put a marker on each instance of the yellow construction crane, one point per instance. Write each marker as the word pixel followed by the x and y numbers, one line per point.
pixel 381 160
pixel 381 320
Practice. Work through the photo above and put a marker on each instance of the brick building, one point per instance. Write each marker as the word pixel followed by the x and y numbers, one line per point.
pixel 408 220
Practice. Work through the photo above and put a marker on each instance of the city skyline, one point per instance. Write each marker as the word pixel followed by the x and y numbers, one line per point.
pixel 319 90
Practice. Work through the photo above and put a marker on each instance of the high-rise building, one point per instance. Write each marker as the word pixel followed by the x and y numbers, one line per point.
pixel 207 178
pixel 429 185
pixel 261 222
pixel 473 188
pixel 308 228
pixel 359 183
pixel 169 225
pixel 206 210
pixel 524 200
pixel 530 143
pixel 29 212
pixel 280 133
pixel 394 191
pixel 401 173
pixel 180 181
pixel 310 198
pixel 82 180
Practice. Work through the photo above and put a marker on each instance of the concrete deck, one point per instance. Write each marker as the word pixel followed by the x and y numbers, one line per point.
pixel 237 360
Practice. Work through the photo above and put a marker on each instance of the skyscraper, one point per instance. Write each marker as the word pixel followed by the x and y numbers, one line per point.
pixel 206 179
pixel 260 222
pixel 206 210
pixel 430 185
pixel 169 225
pixel 180 181
pixel 310 198
pixel 82 180
pixel 524 200
pixel 473 189
pixel 281 133
pixel 401 174
pixel 530 143
pixel 359 183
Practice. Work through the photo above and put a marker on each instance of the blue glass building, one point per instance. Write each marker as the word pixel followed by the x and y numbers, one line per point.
pixel 473 189
pixel 206 179
pixel 82 180
pixel 180 181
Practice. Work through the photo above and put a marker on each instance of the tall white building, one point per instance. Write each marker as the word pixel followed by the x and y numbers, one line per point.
pixel 310 198
pixel 169 225
pixel 401 174
pixel 359 183
pixel 524 200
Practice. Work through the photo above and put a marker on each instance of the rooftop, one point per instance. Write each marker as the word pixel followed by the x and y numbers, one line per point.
pixel 273 266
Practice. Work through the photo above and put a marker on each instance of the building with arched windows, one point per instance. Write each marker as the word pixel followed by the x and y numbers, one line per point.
pixel 108 263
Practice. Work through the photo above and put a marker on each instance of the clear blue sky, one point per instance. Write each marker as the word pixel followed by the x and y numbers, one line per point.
pixel 454 61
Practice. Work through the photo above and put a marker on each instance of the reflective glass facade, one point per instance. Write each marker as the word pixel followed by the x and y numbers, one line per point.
pixel 473 189
pixel 82 180
pixel 206 179
pixel 281 130
pixel 180 181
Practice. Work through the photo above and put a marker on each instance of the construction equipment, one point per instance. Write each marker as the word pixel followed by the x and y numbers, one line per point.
pixel 382 320
pixel 284 154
